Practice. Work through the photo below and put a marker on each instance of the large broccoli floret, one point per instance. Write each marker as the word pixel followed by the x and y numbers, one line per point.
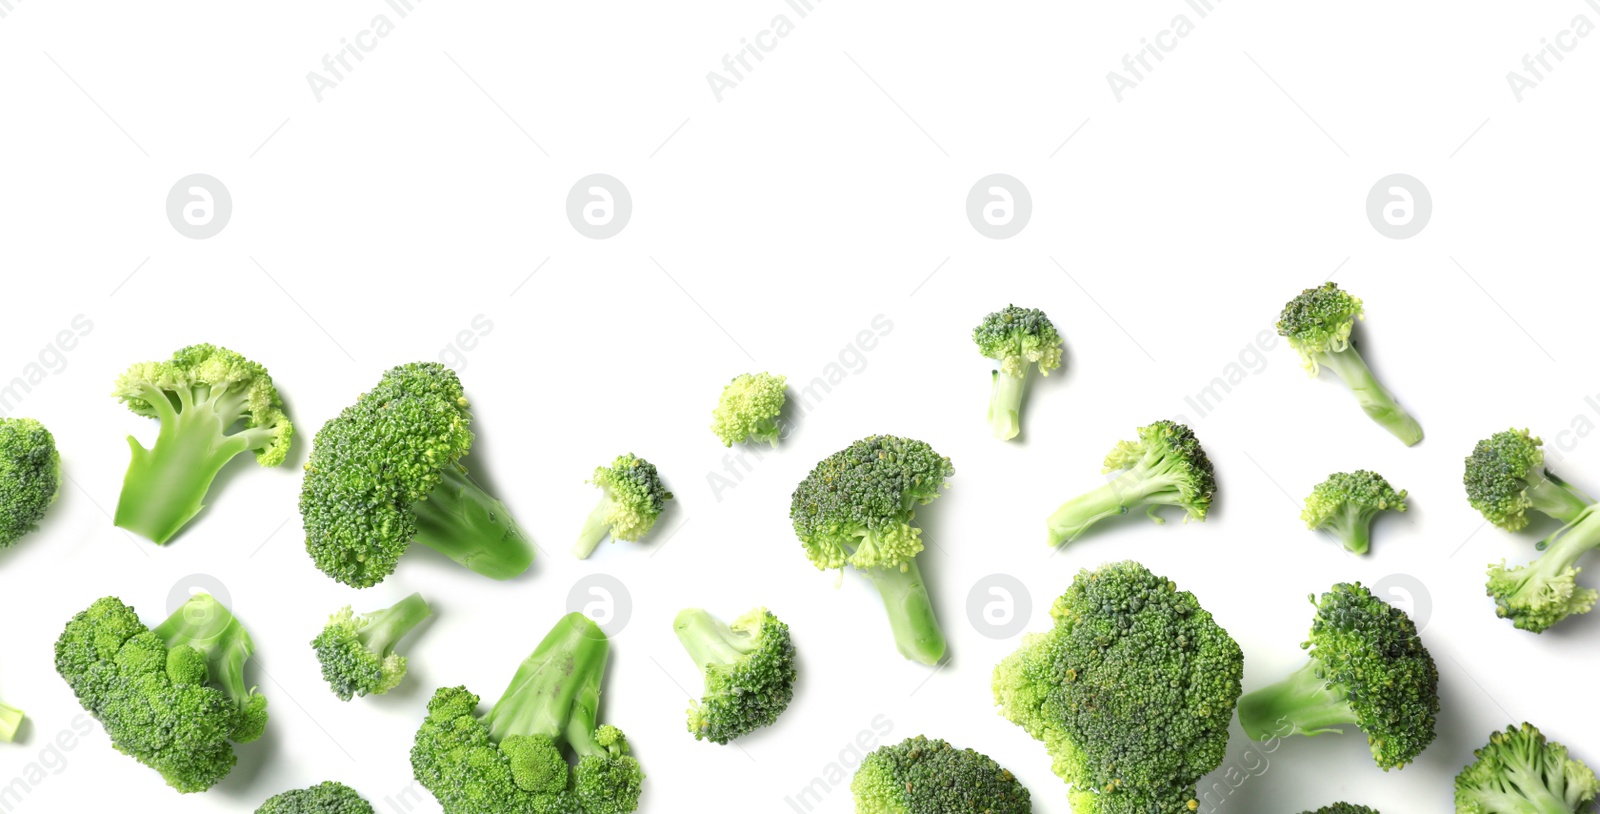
pixel 749 670
pixel 921 776
pixel 1318 324
pixel 511 760
pixel 174 698
pixel 856 508
pixel 749 408
pixel 1131 691
pixel 10 721
pixel 1505 477
pixel 1344 808
pixel 1519 772
pixel 1368 667
pixel 633 496
pixel 1165 467
pixel 324 798
pixel 386 473
pixel 1347 502
pixel 1538 595
pixel 30 477
pixel 357 652
pixel 1016 338
pixel 213 405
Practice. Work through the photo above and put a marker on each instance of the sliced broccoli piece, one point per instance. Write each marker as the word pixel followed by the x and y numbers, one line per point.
pixel 30 477
pixel 324 798
pixel 1344 808
pixel 1016 338
pixel 1540 594
pixel 357 652
pixel 1166 466
pixel 921 776
pixel 1505 477
pixel 1318 324
pixel 749 408
pixel 1131 690
pixel 10 721
pixel 1519 772
pixel 749 670
pixel 1347 502
pixel 633 496
pixel 856 508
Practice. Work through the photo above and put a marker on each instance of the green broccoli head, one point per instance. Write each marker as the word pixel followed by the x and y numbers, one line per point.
pixel 324 798
pixel 1347 502
pixel 1344 808
pixel 1131 690
pixel 749 408
pixel 1538 595
pixel 357 652
pixel 30 477
pixel 632 498
pixel 1505 477
pixel 1016 338
pixel 921 775
pixel 749 670
pixel 174 698
pixel 1368 667
pixel 386 473
pixel 1520 772
pixel 1165 466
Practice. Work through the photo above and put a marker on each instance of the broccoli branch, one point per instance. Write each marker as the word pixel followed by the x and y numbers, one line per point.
pixel 10 722
pixel 384 629
pixel 461 521
pixel 206 625
pixel 1303 703
pixel 1005 404
pixel 1375 399
pixel 905 597
pixel 1557 498
pixel 556 690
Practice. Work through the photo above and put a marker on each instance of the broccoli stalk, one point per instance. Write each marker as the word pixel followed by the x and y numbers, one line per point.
pixel 1375 399
pixel 1165 467
pixel 917 634
pixel 1005 404
pixel 1302 704
pixel 1519 772
pixel 30 477
pixel 10 722
pixel 1540 594
pixel 1016 338
pixel 461 521
pixel 749 671
pixel 204 625
pixel 632 497
pixel 357 652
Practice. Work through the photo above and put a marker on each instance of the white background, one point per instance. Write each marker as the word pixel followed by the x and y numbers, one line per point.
pixel 371 227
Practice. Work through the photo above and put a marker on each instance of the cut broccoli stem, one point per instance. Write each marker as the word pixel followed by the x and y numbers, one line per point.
pixel 10 722
pixel 1301 704
pixel 706 639
pixel 911 617
pixel 384 629
pixel 1528 769
pixel 595 528
pixel 556 690
pixel 1557 498
pixel 206 625
pixel 1375 399
pixel 459 520
pixel 1069 522
pixel 1353 526
pixel 1005 404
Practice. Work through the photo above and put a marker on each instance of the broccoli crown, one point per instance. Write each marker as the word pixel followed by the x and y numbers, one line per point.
pixel 1347 502
pixel 1319 321
pixel 1016 337
pixel 324 798
pixel 1131 691
pixel 235 387
pixel 173 698
pixel 749 409
pixel 1519 771
pixel 926 775
pixel 1343 808
pixel 1498 475
pixel 30 476
pixel 357 652
pixel 636 495
pixel 1540 594
pixel 1170 465
pixel 749 669
pixel 857 505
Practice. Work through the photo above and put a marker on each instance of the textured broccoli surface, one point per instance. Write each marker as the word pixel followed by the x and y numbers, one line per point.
pixel 1519 772
pixel 749 670
pixel 1505 476
pixel 1165 466
pixel 1017 338
pixel 633 496
pixel 1347 502
pixel 30 477
pixel 324 798
pixel 1344 808
pixel 1538 595
pixel 924 775
pixel 357 651
pixel 749 408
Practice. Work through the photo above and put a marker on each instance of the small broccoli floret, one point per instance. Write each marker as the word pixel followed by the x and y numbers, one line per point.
pixel 1347 502
pixel 200 396
pixel 1519 772
pixel 633 496
pixel 386 473
pixel 1344 808
pixel 1505 477
pixel 174 698
pixel 749 670
pixel 1540 594
pixel 921 775
pixel 1016 338
pixel 30 477
pixel 1318 324
pixel 357 652
pixel 324 798
pixel 1165 467
pixel 1368 667
pixel 856 508
pixel 511 761
pixel 1131 691
pixel 749 408
pixel 10 721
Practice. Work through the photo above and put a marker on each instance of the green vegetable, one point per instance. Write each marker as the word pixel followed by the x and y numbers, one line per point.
pixel 633 497
pixel 749 408
pixel 749 669
pixel 1165 467
pixel 1347 502
pixel 1016 338
pixel 1540 594
pixel 10 721
pixel 1505 477
pixel 929 776
pixel 323 798
pixel 30 477
pixel 357 652
pixel 1519 772
pixel 1344 808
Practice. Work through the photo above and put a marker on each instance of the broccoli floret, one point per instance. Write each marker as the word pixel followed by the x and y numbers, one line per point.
pixel 1344 808
pixel 1505 477
pixel 1519 772
pixel 386 473
pixel 1016 338
pixel 633 496
pixel 1165 467
pixel 1318 324
pixel 323 798
pixel 10 721
pixel 30 477
pixel 511 761
pixel 1538 595
pixel 1131 691
pixel 200 396
pixel 749 408
pixel 357 652
pixel 1367 667
pixel 749 670
pixel 174 698
pixel 1347 502
pixel 921 775
pixel 856 508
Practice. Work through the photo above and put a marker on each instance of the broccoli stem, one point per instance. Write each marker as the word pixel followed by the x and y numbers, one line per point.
pixel 384 629
pixel 1301 704
pixel 1564 548
pixel 595 528
pixel 1143 484
pixel 459 520
pixel 1375 399
pixel 708 640
pixel 206 625
pixel 1557 498
pixel 1005 404
pixel 1530 790
pixel 10 722
pixel 1353 527
pixel 556 690
pixel 911 617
